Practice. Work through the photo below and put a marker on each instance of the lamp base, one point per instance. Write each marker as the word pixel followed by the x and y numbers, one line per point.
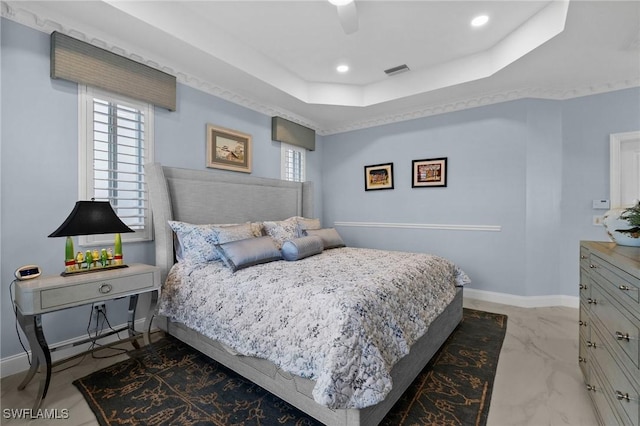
pixel 94 269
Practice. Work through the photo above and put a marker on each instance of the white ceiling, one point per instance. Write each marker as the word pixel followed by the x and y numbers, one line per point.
pixel 279 57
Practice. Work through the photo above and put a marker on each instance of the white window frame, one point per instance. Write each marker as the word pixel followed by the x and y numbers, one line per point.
pixel 86 95
pixel 284 148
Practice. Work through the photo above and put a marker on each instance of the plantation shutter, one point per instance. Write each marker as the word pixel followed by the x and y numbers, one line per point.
pixel 119 156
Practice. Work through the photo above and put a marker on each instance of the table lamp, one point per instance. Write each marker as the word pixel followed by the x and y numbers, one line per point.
pixel 89 218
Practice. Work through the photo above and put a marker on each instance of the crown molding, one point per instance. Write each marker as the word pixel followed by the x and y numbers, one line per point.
pixel 484 100
pixel 44 24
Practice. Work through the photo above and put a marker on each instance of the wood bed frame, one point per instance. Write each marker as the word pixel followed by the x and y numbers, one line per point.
pixel 208 197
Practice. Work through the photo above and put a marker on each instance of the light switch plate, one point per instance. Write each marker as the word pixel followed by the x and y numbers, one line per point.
pixel 601 204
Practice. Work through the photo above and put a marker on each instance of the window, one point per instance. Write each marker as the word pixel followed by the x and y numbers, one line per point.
pixel 116 140
pixel 293 163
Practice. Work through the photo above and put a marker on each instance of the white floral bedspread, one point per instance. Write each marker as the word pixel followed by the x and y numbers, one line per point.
pixel 342 318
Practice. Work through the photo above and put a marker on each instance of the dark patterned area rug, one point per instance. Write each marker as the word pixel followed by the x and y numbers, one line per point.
pixel 179 386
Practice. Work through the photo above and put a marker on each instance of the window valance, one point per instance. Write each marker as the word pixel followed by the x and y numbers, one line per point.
pixel 83 63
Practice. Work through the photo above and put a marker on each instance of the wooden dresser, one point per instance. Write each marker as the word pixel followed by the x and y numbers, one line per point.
pixel 609 353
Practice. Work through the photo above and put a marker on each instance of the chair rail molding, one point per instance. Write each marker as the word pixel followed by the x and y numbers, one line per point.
pixel 445 227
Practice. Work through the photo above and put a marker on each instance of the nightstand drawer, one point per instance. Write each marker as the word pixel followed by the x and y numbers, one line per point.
pixel 86 292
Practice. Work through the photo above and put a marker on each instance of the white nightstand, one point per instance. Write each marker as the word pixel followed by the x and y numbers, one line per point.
pixel 45 294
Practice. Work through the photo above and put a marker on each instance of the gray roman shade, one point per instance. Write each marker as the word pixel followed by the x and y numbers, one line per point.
pixel 292 133
pixel 80 62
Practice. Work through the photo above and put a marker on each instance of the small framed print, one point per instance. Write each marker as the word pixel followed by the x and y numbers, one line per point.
pixel 379 176
pixel 228 149
pixel 429 173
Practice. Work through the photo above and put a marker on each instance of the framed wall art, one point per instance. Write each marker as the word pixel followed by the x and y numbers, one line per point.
pixel 429 173
pixel 228 149
pixel 378 176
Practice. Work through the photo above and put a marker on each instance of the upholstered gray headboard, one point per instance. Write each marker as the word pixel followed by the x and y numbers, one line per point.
pixel 209 196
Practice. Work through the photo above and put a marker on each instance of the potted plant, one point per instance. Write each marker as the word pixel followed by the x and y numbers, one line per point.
pixel 623 225
pixel 632 215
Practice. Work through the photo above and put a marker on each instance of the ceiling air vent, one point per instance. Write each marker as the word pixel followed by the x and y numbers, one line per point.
pixel 397 70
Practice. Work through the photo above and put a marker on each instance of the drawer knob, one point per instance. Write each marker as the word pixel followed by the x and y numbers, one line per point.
pixel 624 288
pixel 105 288
pixel 592 266
pixel 622 336
pixel 592 301
pixel 583 286
pixel 591 344
pixel 583 323
pixel 582 256
pixel 591 388
pixel 581 359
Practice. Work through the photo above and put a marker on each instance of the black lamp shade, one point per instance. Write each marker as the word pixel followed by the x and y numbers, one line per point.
pixel 91 217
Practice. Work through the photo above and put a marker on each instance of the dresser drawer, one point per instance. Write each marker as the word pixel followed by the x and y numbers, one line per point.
pixel 584 286
pixel 616 327
pixel 600 396
pixel 620 390
pixel 74 295
pixel 584 257
pixel 624 287
pixel 583 359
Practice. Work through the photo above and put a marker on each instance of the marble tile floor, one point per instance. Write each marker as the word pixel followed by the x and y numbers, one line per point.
pixel 538 381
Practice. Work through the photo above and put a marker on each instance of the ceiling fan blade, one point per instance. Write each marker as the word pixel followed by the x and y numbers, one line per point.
pixel 348 15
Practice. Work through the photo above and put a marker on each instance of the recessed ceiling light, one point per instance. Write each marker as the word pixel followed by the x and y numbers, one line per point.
pixel 342 68
pixel 340 2
pixel 479 21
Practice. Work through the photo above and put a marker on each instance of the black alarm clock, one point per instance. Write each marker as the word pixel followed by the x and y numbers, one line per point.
pixel 28 272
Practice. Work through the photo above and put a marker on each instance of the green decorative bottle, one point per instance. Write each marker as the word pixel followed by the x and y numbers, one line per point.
pixel 117 250
pixel 69 256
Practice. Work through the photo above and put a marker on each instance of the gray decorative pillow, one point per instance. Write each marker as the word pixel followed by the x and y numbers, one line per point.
pixel 330 237
pixel 251 251
pixel 302 247
pixel 306 223
pixel 282 231
pixel 225 234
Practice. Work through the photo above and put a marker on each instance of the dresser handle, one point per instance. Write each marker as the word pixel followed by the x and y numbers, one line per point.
pixel 624 288
pixel 105 288
pixel 592 301
pixel 591 388
pixel 583 286
pixel 624 396
pixel 592 266
pixel 581 359
pixel 621 336
pixel 584 323
pixel 591 344
pixel 582 256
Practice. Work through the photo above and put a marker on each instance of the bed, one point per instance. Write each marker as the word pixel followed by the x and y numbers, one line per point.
pixel 211 197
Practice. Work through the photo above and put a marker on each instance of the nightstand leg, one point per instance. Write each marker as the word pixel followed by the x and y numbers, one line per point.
pixel 150 313
pixel 133 304
pixel 32 327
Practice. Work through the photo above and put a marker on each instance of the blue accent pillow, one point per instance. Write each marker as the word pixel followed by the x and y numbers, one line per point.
pixel 302 247
pixel 241 254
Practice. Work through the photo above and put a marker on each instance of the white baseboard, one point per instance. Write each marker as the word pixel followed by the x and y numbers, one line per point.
pixel 18 363
pixel 522 301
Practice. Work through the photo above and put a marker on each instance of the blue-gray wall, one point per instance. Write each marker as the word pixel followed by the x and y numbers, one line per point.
pixel 39 167
pixel 531 167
